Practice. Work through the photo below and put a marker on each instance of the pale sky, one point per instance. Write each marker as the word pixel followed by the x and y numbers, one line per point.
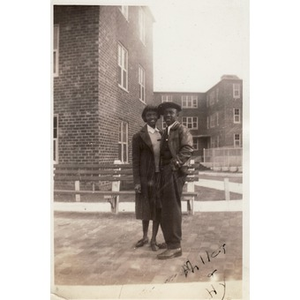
pixel 198 41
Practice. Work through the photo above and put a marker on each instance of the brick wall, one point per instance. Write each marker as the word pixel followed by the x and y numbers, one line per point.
pixel 87 98
pixel 231 128
pixel 75 89
pixel 224 106
pixel 115 104
pixel 223 103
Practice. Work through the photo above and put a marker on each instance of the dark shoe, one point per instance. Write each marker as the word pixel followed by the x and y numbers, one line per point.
pixel 170 253
pixel 162 246
pixel 142 242
pixel 154 246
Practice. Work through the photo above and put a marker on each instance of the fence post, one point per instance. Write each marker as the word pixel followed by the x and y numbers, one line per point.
pixel 116 186
pixel 213 157
pixel 228 159
pixel 191 188
pixel 204 155
pixel 77 189
pixel 226 188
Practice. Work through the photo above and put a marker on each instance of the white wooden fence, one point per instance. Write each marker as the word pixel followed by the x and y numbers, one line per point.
pixel 225 159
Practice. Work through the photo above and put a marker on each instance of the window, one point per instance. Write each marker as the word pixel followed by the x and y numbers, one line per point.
pixel 207 122
pixel 236 115
pixel 166 98
pixel 195 143
pixel 190 122
pixel 55 50
pixel 142 25
pixel 215 142
pixel 189 101
pixel 237 140
pixel 142 84
pixel 218 142
pixel 55 139
pixel 207 100
pixel 123 141
pixel 212 96
pixel 212 142
pixel 212 121
pixel 217 117
pixel 236 90
pixel 217 95
pixel 123 67
pixel 124 10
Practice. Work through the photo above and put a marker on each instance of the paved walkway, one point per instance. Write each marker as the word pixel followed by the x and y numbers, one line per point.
pixel 95 258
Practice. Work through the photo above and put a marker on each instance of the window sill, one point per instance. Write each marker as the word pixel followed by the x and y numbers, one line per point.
pixel 122 88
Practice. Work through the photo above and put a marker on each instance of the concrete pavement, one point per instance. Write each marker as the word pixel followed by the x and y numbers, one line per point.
pixel 95 258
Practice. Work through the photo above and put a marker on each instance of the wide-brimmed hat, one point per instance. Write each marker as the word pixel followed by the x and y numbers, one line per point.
pixel 161 107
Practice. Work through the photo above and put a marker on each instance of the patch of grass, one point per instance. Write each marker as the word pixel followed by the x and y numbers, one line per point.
pixel 208 194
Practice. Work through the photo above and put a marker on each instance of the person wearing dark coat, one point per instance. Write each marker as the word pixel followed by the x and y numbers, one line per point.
pixel 176 150
pixel 145 164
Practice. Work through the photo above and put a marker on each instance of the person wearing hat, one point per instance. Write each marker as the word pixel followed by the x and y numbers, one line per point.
pixel 145 164
pixel 176 149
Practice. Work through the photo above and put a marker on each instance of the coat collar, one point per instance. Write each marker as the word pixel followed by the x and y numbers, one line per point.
pixel 145 137
pixel 173 126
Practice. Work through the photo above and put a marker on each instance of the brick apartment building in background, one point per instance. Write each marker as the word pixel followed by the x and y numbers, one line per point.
pixel 103 78
pixel 214 117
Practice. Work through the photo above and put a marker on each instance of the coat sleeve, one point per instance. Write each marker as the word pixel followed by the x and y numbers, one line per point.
pixel 186 146
pixel 136 153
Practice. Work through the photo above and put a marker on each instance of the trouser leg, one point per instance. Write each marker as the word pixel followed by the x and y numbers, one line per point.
pixel 171 216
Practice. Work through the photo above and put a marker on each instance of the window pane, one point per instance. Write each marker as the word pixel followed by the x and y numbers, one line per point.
pixel 55 37
pixel 123 58
pixel 123 135
pixel 125 153
pixel 124 84
pixel 119 55
pixel 124 129
pixel 54 62
pixel 120 152
pixel 54 150
pixel 120 132
pixel 119 76
pixel 55 122
pixel 125 63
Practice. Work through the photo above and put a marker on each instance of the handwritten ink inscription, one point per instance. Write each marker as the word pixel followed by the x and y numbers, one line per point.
pixel 189 267
pixel 213 292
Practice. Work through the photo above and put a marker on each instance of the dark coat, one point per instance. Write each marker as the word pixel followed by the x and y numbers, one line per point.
pixel 180 142
pixel 144 173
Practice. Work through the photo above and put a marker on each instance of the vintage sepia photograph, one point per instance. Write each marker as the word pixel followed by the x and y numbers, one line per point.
pixel 150 149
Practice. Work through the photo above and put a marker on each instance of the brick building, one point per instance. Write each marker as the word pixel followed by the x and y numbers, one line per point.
pixel 103 78
pixel 214 117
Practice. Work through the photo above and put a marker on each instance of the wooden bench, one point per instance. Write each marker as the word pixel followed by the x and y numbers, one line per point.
pixel 113 174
